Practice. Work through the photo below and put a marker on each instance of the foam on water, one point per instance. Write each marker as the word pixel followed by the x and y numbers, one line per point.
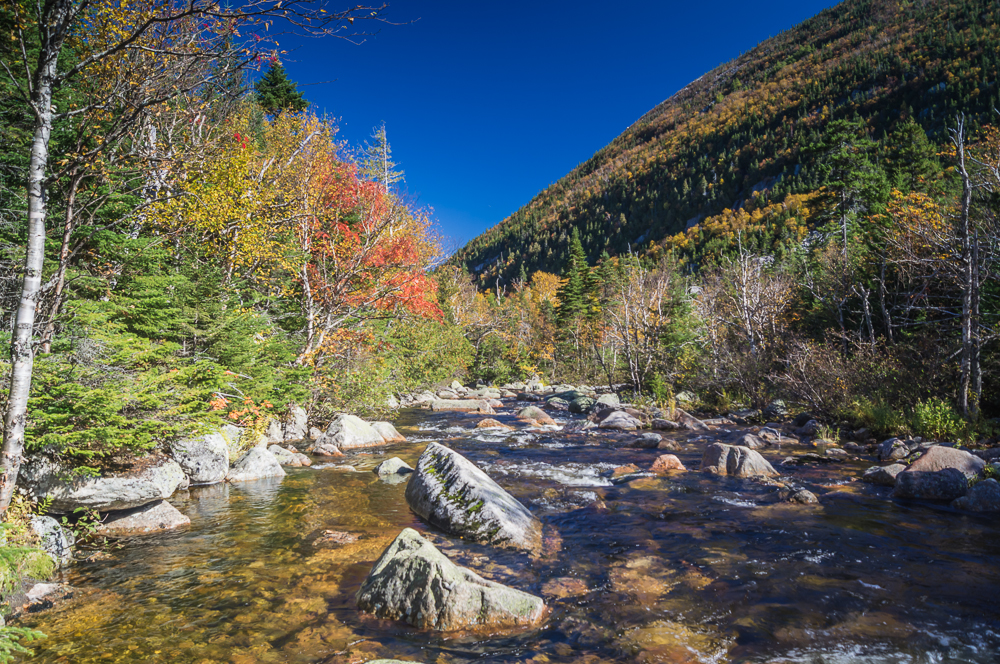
pixel 567 474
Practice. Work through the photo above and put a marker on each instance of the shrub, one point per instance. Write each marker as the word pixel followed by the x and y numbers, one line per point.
pixel 938 420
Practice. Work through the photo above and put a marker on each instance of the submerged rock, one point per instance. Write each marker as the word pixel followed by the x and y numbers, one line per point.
pixel 256 464
pixel 147 519
pixel 455 495
pixel 946 484
pixel 205 459
pixel 414 582
pixel 348 432
pixel 44 478
pixel 735 461
pixel 984 496
pixel 883 475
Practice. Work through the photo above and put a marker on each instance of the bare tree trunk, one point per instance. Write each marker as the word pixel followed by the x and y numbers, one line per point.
pixel 881 297
pixel 975 370
pixel 54 18
pixel 68 225
pixel 958 137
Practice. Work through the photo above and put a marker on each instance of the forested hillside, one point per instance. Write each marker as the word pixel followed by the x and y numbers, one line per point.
pixel 750 135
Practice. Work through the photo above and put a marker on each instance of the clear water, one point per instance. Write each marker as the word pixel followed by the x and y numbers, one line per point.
pixel 687 568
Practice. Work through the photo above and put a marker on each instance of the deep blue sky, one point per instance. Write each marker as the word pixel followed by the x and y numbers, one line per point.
pixel 486 103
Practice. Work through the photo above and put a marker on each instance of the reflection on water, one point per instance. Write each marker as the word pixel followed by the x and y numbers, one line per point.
pixel 681 569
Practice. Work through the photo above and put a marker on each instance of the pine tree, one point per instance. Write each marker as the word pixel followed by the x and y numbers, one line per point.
pixel 914 163
pixel 276 92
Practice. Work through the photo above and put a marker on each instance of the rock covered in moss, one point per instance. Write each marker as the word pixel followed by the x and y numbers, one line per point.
pixel 452 493
pixel 414 582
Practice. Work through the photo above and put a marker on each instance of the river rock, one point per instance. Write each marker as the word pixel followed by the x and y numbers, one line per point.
pixel 939 457
pixel 536 415
pixel 609 400
pixel 462 406
pixel 43 477
pixel 803 497
pixel 557 403
pixel 750 441
pixel 947 484
pixel 665 463
pixel 688 421
pixel 808 429
pixel 151 518
pixel 414 582
pixel 581 405
pixel 296 424
pixel 647 441
pixel 256 464
pixel 621 420
pixel 734 461
pixel 348 432
pixel 314 433
pixel 452 493
pixel 665 425
pixel 490 423
pixel 388 432
pixel 883 475
pixel 204 459
pixel 287 457
pixel 53 539
pixel 836 453
pixel 393 466
pixel 324 449
pixel 274 432
pixel 892 450
pixel 984 496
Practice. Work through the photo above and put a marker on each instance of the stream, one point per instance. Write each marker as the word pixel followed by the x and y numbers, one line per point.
pixel 681 568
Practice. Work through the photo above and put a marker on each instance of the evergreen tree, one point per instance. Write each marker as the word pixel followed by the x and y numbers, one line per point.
pixel 276 92
pixel 572 295
pixel 377 164
pixel 913 162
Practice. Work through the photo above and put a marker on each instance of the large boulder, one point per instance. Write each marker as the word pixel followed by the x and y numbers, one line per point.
pixel 735 461
pixel 984 496
pixel 947 484
pixel 581 404
pixel 414 582
pixel 152 518
pixel 939 457
pixel 44 478
pixel 609 400
pixel 883 475
pixel 388 432
pixel 749 440
pixel 296 424
pixel 462 406
pixel 53 539
pixel 620 420
pixel 256 464
pixel 452 493
pixel 205 459
pixel 348 432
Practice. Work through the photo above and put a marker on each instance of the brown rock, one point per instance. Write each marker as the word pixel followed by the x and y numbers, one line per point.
pixel 536 415
pixel 490 423
pixel 564 586
pixel 666 463
pixel 940 457
pixel 622 471
pixel 332 537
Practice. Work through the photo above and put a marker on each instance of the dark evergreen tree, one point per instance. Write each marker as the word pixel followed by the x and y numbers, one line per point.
pixel 276 92
pixel 572 294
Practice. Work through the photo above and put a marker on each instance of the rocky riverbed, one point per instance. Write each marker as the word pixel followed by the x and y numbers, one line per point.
pixel 776 554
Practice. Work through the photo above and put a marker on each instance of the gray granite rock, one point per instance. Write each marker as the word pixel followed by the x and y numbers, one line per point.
pixel 152 518
pixel 883 475
pixel 734 461
pixel 452 493
pixel 947 484
pixel 255 464
pixel 984 496
pixel 204 459
pixel 414 582
pixel 348 432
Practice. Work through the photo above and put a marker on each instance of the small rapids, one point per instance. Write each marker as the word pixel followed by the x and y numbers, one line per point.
pixel 683 568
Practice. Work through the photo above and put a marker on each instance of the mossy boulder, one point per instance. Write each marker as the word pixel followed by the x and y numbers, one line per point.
pixel 453 494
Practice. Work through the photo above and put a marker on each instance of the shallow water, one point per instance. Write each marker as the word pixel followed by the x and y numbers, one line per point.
pixel 686 568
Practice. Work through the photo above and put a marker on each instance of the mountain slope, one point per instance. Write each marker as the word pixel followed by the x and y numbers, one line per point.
pixel 736 138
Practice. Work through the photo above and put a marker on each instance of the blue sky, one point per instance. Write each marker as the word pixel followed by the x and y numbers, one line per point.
pixel 486 103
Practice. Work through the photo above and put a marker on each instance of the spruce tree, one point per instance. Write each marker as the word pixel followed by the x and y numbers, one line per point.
pixel 572 294
pixel 276 92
